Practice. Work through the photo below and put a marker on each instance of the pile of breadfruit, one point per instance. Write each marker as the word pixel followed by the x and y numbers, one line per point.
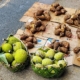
pixel 63 30
pixel 57 9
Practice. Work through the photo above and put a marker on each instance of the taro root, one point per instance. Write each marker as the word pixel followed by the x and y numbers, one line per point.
pixel 23 37
pixel 57 9
pixel 29 45
pixel 69 21
pixel 42 15
pixel 76 50
pixel 36 26
pixel 73 19
pixel 65 44
pixel 56 45
pixel 29 41
pixel 68 34
pixel 78 33
pixel 67 17
pixel 63 49
pixel 34 40
pixel 63 30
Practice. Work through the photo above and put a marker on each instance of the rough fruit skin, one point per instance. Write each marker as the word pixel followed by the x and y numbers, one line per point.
pixel 46 61
pixel 14 63
pixel 9 57
pixel 13 54
pixel 6 47
pixel 50 53
pixel 40 53
pixel 37 59
pixel 62 62
pixel 58 56
pixel 17 46
pixel 12 40
pixel 21 56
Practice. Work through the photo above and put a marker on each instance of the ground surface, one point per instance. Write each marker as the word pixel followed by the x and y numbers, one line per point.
pixel 10 13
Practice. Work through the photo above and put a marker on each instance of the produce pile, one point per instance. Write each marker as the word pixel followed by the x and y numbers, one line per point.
pixel 14 54
pixel 48 62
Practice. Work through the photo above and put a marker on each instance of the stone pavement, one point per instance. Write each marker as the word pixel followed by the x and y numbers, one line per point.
pixel 10 14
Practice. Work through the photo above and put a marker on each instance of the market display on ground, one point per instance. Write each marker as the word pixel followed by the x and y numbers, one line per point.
pixel 46 41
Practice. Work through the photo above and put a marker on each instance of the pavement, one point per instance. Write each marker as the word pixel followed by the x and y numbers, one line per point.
pixel 10 13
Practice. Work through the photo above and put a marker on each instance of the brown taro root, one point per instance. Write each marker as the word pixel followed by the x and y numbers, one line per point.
pixel 78 33
pixel 67 17
pixel 57 9
pixel 76 50
pixel 36 26
pixel 73 19
pixel 29 41
pixel 42 15
pixel 63 30
pixel 30 45
pixel 63 46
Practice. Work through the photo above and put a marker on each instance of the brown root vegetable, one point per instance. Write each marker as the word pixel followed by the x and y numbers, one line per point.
pixel 23 36
pixel 39 12
pixel 29 39
pixel 34 40
pixel 67 29
pixel 65 44
pixel 38 23
pixel 42 28
pixel 74 17
pixel 69 21
pixel 58 8
pixel 68 34
pixel 56 45
pixel 47 15
pixel 76 22
pixel 42 17
pixel 62 34
pixel 52 9
pixel 50 46
pixel 56 5
pixel 76 50
pixel 64 50
pixel 63 11
pixel 78 35
pixel 57 31
pixel 57 13
pixel 67 17
pixel 29 45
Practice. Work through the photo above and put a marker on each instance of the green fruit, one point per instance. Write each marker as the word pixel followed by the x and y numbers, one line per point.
pixel 50 53
pixel 17 45
pixel 21 56
pixel 40 53
pixel 9 57
pixel 39 65
pixel 58 56
pixel 14 63
pixel 6 47
pixel 37 59
pixel 12 39
pixel 13 54
pixel 0 49
pixel 55 65
pixel 46 62
pixel 62 63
